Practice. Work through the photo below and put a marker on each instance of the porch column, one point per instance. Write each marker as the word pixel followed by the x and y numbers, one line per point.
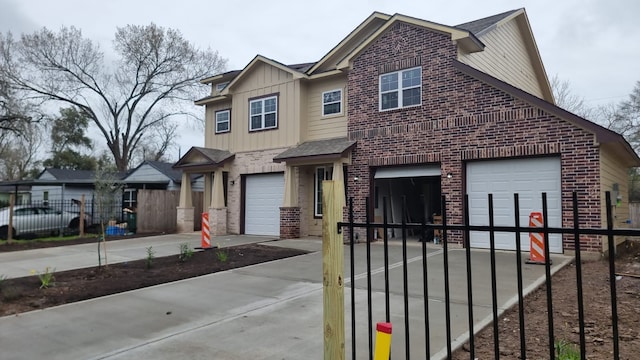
pixel 290 210
pixel 185 210
pixel 290 188
pixel 338 181
pixel 217 209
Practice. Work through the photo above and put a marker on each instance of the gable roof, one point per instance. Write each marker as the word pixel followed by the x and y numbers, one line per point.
pixel 199 158
pixel 68 174
pixel 464 38
pixel 480 26
pixel 602 134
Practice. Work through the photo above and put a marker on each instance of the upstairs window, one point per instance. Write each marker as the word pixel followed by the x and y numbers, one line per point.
pixel 221 86
pixel 222 121
pixel 401 89
pixel 332 102
pixel 263 113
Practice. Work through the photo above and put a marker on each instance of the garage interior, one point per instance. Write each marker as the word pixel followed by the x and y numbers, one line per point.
pixel 417 187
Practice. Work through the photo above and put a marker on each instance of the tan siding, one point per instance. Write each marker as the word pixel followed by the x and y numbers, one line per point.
pixel 506 58
pixel 264 80
pixel 612 171
pixel 211 139
pixel 325 127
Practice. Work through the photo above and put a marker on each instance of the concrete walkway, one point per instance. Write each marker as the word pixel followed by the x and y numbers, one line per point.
pixel 266 311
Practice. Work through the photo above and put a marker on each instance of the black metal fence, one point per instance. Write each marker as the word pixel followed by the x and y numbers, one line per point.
pixel 57 217
pixel 425 229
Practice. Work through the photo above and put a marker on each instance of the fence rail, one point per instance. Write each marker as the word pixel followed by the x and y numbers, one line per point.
pixel 425 229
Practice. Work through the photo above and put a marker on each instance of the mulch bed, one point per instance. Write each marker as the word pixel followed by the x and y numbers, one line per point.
pixel 24 294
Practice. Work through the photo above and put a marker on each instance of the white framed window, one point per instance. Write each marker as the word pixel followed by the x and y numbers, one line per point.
pixel 130 198
pixel 332 102
pixel 223 122
pixel 322 173
pixel 263 113
pixel 401 89
pixel 221 86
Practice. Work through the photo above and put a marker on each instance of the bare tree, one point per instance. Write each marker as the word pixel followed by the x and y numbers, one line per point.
pixel 155 77
pixel 19 153
pixel 568 100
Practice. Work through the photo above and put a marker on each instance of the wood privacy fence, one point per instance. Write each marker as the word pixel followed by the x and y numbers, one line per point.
pixel 157 210
pixel 634 214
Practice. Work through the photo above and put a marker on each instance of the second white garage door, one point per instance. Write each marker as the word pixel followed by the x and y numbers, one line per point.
pixel 263 199
pixel 502 178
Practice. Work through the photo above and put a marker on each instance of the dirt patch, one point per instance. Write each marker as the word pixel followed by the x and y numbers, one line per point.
pixel 597 313
pixel 24 294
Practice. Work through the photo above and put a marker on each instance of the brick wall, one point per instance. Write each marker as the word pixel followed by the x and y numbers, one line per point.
pixel 289 222
pixel 460 119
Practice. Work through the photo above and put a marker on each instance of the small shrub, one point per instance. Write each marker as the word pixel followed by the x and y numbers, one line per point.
pixel 566 351
pixel 150 256
pixel 47 277
pixel 222 254
pixel 185 252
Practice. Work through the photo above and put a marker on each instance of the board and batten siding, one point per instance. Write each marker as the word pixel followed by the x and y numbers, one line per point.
pixel 506 57
pixel 263 80
pixel 612 171
pixel 331 126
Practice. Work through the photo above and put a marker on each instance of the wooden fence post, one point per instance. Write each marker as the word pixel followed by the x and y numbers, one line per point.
pixel 332 271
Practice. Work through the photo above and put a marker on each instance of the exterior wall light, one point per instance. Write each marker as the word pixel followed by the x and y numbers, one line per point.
pixel 449 175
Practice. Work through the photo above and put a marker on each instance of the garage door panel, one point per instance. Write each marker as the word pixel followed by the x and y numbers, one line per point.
pixel 263 198
pixel 527 177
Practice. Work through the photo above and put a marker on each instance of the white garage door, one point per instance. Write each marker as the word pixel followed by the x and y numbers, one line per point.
pixel 263 198
pixel 527 177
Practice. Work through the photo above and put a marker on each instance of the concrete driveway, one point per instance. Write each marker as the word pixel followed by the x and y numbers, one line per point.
pixel 266 311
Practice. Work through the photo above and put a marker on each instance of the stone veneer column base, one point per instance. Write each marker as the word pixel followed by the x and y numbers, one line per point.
pixel 289 222
pixel 218 221
pixel 184 221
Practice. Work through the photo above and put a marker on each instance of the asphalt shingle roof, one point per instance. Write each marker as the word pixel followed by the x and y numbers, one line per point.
pixel 317 148
pixel 477 27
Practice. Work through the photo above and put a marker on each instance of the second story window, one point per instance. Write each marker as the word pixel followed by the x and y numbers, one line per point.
pixel 221 86
pixel 222 121
pixel 401 89
pixel 331 102
pixel 263 113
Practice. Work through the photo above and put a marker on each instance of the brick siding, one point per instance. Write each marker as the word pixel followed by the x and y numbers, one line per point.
pixel 289 222
pixel 460 119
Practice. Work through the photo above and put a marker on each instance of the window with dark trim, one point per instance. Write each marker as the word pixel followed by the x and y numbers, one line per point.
pixel 401 89
pixel 322 173
pixel 223 121
pixel 263 113
pixel 332 102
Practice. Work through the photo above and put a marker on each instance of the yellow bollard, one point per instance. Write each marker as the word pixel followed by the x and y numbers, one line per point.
pixel 383 341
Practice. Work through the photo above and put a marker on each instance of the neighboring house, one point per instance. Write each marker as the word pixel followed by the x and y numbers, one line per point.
pixel 21 193
pixel 62 184
pixel 404 108
pixel 156 175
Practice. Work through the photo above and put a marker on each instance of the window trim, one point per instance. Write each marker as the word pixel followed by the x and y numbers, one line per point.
pixel 216 121
pixel 323 104
pixel 399 89
pixel 221 86
pixel 317 187
pixel 129 200
pixel 263 99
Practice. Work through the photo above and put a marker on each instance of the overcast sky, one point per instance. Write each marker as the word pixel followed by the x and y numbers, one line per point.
pixel 591 43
